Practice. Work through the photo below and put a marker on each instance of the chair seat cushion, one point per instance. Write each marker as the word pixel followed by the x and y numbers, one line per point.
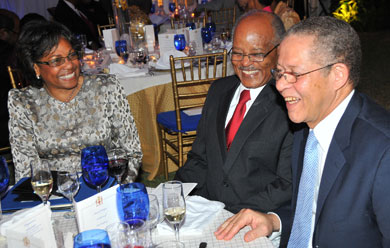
pixel 188 122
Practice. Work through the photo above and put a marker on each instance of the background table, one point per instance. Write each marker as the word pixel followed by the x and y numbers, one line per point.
pixel 148 96
pixel 22 7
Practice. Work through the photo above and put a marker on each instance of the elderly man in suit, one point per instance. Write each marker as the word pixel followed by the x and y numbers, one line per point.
pixel 341 162
pixel 245 164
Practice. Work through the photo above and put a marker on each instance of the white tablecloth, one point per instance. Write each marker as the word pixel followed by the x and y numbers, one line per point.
pixel 22 7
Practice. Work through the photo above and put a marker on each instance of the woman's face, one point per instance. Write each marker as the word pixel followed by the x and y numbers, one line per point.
pixel 63 76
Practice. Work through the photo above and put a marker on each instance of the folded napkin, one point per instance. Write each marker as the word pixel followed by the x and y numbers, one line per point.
pixel 200 212
pixel 163 62
pixel 123 71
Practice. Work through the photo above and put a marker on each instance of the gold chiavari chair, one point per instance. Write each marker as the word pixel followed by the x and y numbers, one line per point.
pixel 102 27
pixel 16 78
pixel 224 19
pixel 191 79
pixel 177 23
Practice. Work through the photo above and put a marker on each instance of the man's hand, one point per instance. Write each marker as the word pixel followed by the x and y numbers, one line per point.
pixel 261 224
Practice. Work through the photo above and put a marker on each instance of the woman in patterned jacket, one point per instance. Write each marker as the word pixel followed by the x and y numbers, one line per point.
pixel 63 111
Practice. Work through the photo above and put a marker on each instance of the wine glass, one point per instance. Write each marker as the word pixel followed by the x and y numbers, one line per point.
pixel 211 26
pixel 179 41
pixel 139 57
pixel 154 216
pixel 191 25
pixel 121 49
pixel 117 163
pixel 118 233
pixel 153 8
pixel 94 163
pixel 132 202
pixel 68 185
pixel 4 178
pixel 170 244
pixel 206 35
pixel 92 238
pixel 41 179
pixel 172 6
pixel 174 204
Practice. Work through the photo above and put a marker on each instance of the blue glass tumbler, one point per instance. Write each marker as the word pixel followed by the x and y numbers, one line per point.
pixel 191 25
pixel 206 35
pixel 132 202
pixel 94 164
pixel 153 8
pixel 172 6
pixel 94 238
pixel 179 41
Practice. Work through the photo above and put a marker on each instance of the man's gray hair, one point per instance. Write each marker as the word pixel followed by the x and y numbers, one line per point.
pixel 277 24
pixel 335 41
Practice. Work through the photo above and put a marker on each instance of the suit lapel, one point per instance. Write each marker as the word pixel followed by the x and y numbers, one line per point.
pixel 335 158
pixel 255 116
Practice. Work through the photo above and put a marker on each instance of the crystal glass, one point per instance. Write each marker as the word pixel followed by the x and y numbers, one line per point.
pixel 170 244
pixel 174 204
pixel 211 26
pixel 4 178
pixel 132 202
pixel 117 163
pixel 179 41
pixel 41 179
pixel 93 238
pixel 154 216
pixel 206 35
pixel 119 234
pixel 68 185
pixel 137 237
pixel 121 50
pixel 94 163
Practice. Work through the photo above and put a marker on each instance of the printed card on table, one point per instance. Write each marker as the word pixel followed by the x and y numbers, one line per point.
pixel 110 36
pixel 196 37
pixel 97 211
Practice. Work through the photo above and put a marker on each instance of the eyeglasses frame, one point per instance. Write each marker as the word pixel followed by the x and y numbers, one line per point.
pixel 64 59
pixel 251 54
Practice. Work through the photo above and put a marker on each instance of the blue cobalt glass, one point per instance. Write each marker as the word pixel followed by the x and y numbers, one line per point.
pixel 172 7
pixel 4 175
pixel 121 49
pixel 153 8
pixel 132 202
pixel 94 164
pixel 179 41
pixel 204 1
pixel 211 26
pixel 206 35
pixel 94 238
pixel 191 25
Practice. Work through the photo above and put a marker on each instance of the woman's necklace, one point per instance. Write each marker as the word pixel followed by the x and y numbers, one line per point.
pixel 68 99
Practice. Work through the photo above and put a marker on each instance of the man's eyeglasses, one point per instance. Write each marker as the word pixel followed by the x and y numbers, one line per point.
pixel 254 57
pixel 60 60
pixel 291 77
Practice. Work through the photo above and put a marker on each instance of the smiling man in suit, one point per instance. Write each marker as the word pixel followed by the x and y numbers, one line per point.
pixel 341 162
pixel 245 164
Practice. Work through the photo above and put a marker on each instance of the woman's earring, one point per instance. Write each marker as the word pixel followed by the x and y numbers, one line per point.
pixel 38 77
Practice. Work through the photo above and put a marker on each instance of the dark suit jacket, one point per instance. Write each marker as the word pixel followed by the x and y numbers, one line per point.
pixel 353 206
pixel 256 172
pixel 65 15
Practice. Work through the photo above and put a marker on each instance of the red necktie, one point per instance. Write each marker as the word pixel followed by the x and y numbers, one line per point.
pixel 235 122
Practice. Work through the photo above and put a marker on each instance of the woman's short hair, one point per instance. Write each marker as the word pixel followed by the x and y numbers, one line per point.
pixel 37 39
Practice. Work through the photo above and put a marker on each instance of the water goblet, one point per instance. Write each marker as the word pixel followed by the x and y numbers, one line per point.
pixel 94 164
pixel 170 244
pixel 68 185
pixel 92 238
pixel 117 163
pixel 41 179
pixel 119 234
pixel 4 178
pixel 172 6
pixel 211 26
pixel 132 202
pixel 154 216
pixel 174 204
pixel 191 25
pixel 206 35
pixel 179 41
pixel 121 49
pixel 153 8
pixel 137 233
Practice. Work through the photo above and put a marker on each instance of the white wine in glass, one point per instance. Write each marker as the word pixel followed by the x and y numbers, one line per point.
pixel 174 204
pixel 41 179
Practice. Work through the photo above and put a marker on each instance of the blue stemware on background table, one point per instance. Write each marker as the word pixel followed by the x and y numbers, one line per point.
pixel 153 8
pixel 172 6
pixel 4 178
pixel 179 42
pixel 132 202
pixel 94 164
pixel 121 49
pixel 94 238
pixel 206 35
pixel 191 25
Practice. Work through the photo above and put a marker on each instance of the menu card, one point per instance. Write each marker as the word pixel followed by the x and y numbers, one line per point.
pixel 30 228
pixel 110 36
pixel 195 36
pixel 149 37
pixel 97 211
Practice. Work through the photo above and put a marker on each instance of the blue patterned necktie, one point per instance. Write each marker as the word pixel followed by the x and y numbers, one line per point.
pixel 302 225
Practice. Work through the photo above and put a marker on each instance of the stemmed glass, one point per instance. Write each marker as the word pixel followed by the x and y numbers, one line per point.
pixel 117 163
pixel 118 233
pixel 154 216
pixel 4 178
pixel 206 35
pixel 172 6
pixel 121 50
pixel 132 202
pixel 91 239
pixel 179 41
pixel 174 204
pixel 68 185
pixel 94 163
pixel 41 179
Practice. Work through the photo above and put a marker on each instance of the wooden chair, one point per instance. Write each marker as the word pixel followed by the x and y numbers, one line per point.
pixel 102 27
pixel 177 23
pixel 16 78
pixel 224 19
pixel 191 79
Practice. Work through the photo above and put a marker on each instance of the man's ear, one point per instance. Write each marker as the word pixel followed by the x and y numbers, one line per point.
pixel 340 74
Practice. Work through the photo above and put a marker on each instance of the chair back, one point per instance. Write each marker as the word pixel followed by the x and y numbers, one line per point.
pixel 192 77
pixel 177 23
pixel 17 80
pixel 224 19
pixel 102 27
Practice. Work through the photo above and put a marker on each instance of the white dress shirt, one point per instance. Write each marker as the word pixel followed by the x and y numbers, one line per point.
pixel 236 98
